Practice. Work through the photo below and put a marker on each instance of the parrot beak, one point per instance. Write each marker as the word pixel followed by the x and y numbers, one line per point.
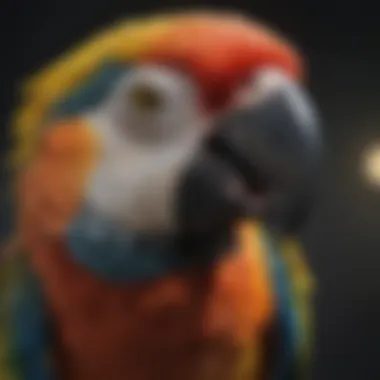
pixel 261 162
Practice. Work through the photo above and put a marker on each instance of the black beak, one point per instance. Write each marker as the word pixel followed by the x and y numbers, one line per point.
pixel 262 162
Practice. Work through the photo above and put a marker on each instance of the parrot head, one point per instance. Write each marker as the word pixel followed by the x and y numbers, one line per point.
pixel 177 126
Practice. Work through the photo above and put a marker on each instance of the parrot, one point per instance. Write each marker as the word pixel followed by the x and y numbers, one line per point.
pixel 161 173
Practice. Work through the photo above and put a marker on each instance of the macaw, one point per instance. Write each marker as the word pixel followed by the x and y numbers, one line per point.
pixel 162 172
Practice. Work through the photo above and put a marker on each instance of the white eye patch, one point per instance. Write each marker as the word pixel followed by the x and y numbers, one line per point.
pixel 155 104
pixel 150 129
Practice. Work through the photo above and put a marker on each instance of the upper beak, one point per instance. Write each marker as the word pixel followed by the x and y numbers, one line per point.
pixel 262 161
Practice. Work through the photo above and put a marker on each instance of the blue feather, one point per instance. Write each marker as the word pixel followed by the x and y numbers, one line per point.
pixel 30 337
pixel 286 322
pixel 90 93
pixel 83 98
pixel 118 255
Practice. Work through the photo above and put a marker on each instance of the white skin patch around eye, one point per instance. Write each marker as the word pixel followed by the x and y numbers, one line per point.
pixel 178 109
pixel 134 184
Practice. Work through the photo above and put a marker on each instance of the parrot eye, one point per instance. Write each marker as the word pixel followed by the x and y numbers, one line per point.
pixel 146 98
pixel 154 104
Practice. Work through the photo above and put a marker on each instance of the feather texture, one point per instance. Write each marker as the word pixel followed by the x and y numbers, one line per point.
pixel 24 330
pixel 281 292
pixel 228 49
pixel 263 282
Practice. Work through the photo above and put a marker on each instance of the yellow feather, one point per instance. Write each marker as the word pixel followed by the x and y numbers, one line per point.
pixel 304 285
pixel 122 42
pixel 251 360
pixel 125 41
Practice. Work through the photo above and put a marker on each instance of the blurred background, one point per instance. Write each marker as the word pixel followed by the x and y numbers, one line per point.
pixel 341 42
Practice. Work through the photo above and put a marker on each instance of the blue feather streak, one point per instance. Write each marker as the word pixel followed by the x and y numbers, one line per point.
pixel 287 324
pixel 30 336
pixel 90 93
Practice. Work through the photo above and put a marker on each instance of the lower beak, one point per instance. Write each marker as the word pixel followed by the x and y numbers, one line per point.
pixel 262 162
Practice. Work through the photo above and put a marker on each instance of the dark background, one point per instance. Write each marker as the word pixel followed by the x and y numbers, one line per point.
pixel 341 41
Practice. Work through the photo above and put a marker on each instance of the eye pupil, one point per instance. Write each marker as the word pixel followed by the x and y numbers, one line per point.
pixel 146 98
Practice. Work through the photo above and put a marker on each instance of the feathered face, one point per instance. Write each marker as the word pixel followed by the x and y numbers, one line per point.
pixel 151 127
pixel 206 127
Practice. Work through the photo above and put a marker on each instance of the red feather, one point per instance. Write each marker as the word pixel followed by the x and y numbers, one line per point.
pixel 221 53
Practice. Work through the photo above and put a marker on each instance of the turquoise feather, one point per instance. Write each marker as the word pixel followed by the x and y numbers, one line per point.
pixel 118 255
pixel 24 329
pixel 286 326
pixel 90 93
pixel 24 326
